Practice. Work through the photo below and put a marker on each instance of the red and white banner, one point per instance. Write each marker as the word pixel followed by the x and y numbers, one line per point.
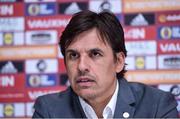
pixel 46 23
pixel 168 47
pixel 11 9
pixel 138 33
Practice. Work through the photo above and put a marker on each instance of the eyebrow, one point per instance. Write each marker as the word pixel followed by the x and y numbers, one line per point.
pixel 96 49
pixel 91 50
pixel 70 50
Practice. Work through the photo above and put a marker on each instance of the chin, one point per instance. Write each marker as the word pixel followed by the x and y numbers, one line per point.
pixel 87 94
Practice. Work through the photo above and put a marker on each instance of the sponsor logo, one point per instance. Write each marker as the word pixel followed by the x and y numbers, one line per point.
pixel 8 68
pixel 169 32
pixel 11 83
pixel 140 62
pixel 11 67
pixel 172 47
pixel 11 24
pixel 8 38
pixel 168 17
pixel 18 110
pixel 51 22
pixel 137 33
pixel 41 37
pixel 169 61
pixel 175 90
pixel 11 38
pixel 139 19
pixel 41 80
pixel 141 47
pixel 27 52
pixel 15 9
pixel 7 81
pixel 35 9
pixel 154 77
pixel 106 5
pixel 13 110
pixel 134 6
pixel 70 8
pixel 6 9
pixel 42 66
pixel 172 61
pixel 8 110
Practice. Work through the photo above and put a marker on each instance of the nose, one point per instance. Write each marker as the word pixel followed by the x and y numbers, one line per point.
pixel 83 64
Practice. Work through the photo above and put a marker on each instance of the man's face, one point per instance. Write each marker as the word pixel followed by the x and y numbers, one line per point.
pixel 91 66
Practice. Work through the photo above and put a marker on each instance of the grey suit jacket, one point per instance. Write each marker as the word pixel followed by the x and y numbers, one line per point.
pixel 137 99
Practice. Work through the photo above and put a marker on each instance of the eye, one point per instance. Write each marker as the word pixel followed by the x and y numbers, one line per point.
pixel 73 55
pixel 95 54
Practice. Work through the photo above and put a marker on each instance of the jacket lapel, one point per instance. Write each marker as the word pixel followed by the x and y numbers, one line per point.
pixel 125 101
pixel 77 108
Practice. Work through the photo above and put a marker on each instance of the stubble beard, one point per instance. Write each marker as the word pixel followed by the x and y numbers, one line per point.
pixel 91 95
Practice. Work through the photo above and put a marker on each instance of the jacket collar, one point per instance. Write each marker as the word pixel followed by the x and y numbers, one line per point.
pixel 77 108
pixel 125 100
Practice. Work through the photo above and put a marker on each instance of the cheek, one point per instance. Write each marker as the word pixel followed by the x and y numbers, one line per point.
pixel 68 69
pixel 71 70
pixel 110 70
pixel 105 69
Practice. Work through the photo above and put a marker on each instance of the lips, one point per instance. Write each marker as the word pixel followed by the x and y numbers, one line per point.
pixel 85 82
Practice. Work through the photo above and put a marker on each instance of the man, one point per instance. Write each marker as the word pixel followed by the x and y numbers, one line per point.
pixel 94 54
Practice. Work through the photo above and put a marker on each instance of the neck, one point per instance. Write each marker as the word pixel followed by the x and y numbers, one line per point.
pixel 98 104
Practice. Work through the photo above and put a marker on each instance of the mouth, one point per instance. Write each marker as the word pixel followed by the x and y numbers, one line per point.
pixel 85 82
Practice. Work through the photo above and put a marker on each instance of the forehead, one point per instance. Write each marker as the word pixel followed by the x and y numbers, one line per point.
pixel 88 39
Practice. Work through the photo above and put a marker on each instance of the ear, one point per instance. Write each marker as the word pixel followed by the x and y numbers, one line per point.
pixel 120 62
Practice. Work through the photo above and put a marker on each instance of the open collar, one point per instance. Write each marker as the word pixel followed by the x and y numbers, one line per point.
pixel 125 102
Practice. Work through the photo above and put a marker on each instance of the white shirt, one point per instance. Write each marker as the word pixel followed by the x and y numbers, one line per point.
pixel 108 111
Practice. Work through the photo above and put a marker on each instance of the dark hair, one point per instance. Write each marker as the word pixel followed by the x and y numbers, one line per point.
pixel 107 24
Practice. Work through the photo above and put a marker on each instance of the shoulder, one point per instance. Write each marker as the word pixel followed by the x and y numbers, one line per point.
pixel 54 97
pixel 53 105
pixel 140 90
pixel 62 94
pixel 145 91
pixel 162 103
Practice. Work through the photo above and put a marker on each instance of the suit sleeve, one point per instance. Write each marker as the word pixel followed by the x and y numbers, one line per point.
pixel 40 109
pixel 167 106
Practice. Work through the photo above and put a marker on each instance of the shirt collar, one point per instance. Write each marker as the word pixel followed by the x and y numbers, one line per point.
pixel 108 111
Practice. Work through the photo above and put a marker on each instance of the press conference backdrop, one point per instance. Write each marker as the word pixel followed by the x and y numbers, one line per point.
pixel 31 63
